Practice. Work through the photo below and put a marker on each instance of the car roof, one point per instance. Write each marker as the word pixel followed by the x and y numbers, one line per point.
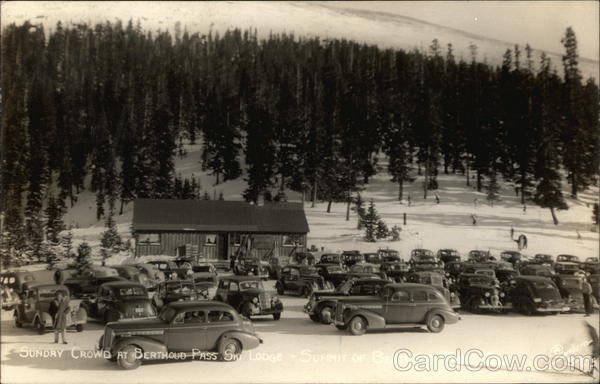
pixel 410 285
pixel 204 304
pixel 240 278
pixel 370 280
pixel 121 284
pixel 46 285
pixel 532 278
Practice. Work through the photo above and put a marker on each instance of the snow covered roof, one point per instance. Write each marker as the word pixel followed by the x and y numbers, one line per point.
pixel 218 216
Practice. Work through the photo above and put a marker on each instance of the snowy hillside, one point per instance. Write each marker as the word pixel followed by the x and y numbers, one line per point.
pixel 382 24
pixel 429 225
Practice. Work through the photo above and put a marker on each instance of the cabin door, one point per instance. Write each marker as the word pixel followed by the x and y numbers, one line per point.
pixel 222 246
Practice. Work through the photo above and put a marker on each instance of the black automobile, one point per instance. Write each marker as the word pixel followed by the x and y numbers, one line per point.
pixel 537 270
pixel 248 296
pixel 349 258
pixel 332 273
pixel 304 258
pixel 87 283
pixel 119 300
pixel 367 269
pixel 331 258
pixel 437 280
pixel 448 255
pixel 566 264
pixel 373 258
pixel 389 254
pixel 301 280
pixel 394 268
pixel 171 270
pixel 570 289
pixel 252 267
pixel 482 293
pixel 180 290
pixel 321 305
pixel 536 294
pixel 479 256
pixel 131 273
pixel 512 257
pixel 591 265
pixel 542 259
pixel 424 260
pixel 505 275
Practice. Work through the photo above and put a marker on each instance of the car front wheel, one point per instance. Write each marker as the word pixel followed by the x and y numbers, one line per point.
pixel 41 328
pixel 435 324
pixel 129 357
pixel 357 326
pixel 79 327
pixel 325 315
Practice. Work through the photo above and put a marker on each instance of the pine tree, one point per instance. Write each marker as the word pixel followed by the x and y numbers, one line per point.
pixel 382 230
pixel 54 222
pixel 83 259
pixel 359 206
pixel 111 240
pixel 66 243
pixel 371 222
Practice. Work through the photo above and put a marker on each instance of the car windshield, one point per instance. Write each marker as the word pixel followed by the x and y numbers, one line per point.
pixel 131 291
pixel 181 287
pixel 308 270
pixel 543 286
pixel 372 258
pixel 422 253
pixel 166 314
pixel 570 258
pixel 431 280
pixel 480 281
pixel 334 269
pixel 254 284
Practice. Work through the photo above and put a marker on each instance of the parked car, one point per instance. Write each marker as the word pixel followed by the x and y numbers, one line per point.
pixel 542 259
pixel 394 268
pixel 8 297
pixel 512 257
pixel 204 272
pixel 248 296
pixel 480 256
pixel 424 259
pixel 505 275
pixel 252 267
pixel 88 282
pixel 331 258
pixel 183 328
pixel 155 276
pixel 349 258
pixel 301 280
pixel 396 305
pixel 367 268
pixel 437 280
pixel 537 270
pixel 389 254
pixel 332 273
pixel 321 305
pixel 34 309
pixel 304 258
pixel 480 292
pixel 179 290
pixel 591 265
pixel 448 255
pixel 536 294
pixel 131 273
pixel 15 280
pixel 570 290
pixel 373 258
pixel 119 300
pixel 171 270
pixel 566 264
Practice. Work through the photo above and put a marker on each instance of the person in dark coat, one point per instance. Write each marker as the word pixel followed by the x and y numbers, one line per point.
pixel 59 308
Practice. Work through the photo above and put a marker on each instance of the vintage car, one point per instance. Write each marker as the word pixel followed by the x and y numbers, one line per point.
pixel 437 280
pixel 363 267
pixel 154 275
pixel 349 258
pixel 8 297
pixel 252 267
pixel 389 254
pixel 333 273
pixel 131 273
pixel 505 275
pixel 204 272
pixel 171 270
pixel 15 280
pixel 536 294
pixel 34 309
pixel 88 282
pixel 304 258
pixel 483 293
pixel 373 258
pixel 566 265
pixel 188 328
pixel 179 290
pixel 119 300
pixel 331 258
pixel 403 304
pixel 542 259
pixel 424 260
pixel 301 280
pixel 591 265
pixel 248 296
pixel 395 268
pixel 479 256
pixel 570 289
pixel 448 255
pixel 321 305
pixel 537 270
pixel 512 257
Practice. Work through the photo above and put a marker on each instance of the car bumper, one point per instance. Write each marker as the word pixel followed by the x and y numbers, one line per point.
pixel 489 306
pixel 554 309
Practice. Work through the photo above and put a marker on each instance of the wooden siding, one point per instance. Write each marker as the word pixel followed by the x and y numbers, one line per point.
pixel 170 241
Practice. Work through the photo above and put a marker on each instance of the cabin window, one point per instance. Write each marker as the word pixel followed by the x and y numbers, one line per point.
pixel 292 240
pixel 210 240
pixel 149 238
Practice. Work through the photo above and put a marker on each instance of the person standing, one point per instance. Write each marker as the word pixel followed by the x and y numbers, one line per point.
pixel 586 289
pixel 59 308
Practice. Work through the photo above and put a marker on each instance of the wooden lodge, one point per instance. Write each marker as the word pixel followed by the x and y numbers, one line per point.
pixel 217 229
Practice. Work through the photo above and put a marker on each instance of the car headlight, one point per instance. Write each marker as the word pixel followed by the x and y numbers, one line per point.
pixel 537 300
pixel 255 300
pixel 487 294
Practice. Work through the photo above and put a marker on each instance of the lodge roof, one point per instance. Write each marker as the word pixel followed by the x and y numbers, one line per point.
pixel 218 216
